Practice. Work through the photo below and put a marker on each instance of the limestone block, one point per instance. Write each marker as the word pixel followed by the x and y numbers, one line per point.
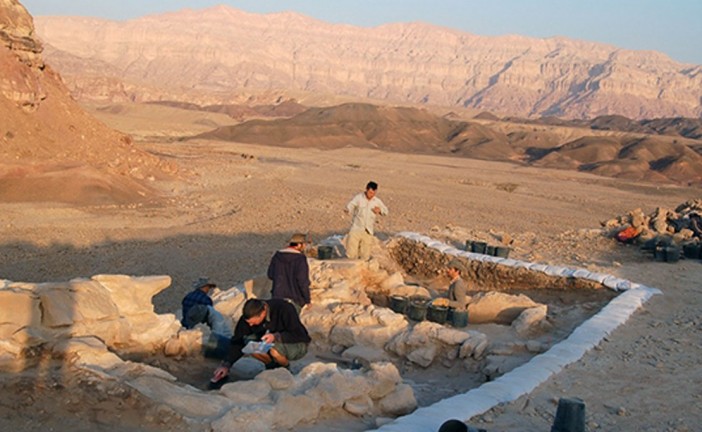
pixel 247 392
pixel 87 352
pixel 173 348
pixel 333 390
pixel 132 294
pixel 114 333
pixel 277 379
pixel 342 293
pixel 388 318
pixel 229 303
pixel 529 320
pixel 75 301
pixel 451 336
pixel 153 331
pixel 316 370
pixel 497 307
pixel 345 335
pixel 399 402
pixel 470 345
pixel 359 406
pixel 363 317
pixel 19 308
pixel 451 355
pixel 250 418
pixel 398 344
pixel 480 349
pixel 383 378
pixel 423 356
pixel 375 336
pixel 423 333
pixel 290 410
pixel 186 343
pixel 188 401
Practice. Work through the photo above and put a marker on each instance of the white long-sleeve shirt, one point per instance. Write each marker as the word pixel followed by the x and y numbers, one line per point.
pixel 361 209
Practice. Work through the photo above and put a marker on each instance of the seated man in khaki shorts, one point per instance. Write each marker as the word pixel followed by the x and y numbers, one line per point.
pixel 274 322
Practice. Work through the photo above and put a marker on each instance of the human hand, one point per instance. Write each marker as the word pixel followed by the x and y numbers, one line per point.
pixel 376 210
pixel 268 338
pixel 220 373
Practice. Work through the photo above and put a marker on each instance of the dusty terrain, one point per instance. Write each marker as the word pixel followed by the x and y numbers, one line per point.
pixel 80 199
pixel 241 202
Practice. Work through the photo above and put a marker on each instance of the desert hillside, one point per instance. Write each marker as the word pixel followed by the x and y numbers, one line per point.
pixel 50 148
pixel 629 155
pixel 219 54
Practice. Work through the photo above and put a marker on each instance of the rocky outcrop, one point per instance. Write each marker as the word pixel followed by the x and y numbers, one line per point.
pixel 50 149
pixel 226 52
pixel 19 83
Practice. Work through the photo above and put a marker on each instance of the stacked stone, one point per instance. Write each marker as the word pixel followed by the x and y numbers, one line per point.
pixel 679 228
pixel 116 310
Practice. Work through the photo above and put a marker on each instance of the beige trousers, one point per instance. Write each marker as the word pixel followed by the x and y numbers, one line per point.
pixel 358 245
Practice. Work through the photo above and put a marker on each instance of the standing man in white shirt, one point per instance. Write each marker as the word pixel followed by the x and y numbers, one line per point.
pixel 363 209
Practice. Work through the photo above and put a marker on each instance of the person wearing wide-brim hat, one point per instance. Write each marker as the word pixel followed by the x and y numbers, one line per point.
pixel 290 273
pixel 200 295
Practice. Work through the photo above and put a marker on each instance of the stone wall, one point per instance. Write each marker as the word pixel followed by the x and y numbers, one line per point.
pixel 421 260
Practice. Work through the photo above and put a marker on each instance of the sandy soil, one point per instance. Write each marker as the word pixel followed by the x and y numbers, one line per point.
pixel 242 202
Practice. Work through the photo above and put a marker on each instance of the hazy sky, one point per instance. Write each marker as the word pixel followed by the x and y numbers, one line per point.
pixel 670 26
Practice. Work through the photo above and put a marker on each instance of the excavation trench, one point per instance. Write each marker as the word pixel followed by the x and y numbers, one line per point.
pixel 353 326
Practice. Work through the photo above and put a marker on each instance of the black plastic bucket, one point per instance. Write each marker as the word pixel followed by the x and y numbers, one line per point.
pixel 490 250
pixel 457 318
pixel 479 247
pixel 501 251
pixel 570 416
pixel 417 310
pixel 324 252
pixel 437 314
pixel 692 250
pixel 399 304
pixel 659 253
pixel 469 245
pixel 672 254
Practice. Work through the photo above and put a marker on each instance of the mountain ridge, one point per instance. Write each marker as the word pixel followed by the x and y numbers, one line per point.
pixel 220 53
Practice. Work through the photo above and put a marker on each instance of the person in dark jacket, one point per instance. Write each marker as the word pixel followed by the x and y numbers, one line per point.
pixel 275 322
pixel 200 295
pixel 290 273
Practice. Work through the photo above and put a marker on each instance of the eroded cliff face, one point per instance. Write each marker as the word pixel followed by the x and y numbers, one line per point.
pixel 50 149
pixel 221 51
pixel 20 57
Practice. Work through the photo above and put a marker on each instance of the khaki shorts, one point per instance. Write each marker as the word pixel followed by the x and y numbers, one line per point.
pixel 292 351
